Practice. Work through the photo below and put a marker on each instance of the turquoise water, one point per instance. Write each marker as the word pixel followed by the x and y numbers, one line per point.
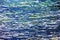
pixel 29 19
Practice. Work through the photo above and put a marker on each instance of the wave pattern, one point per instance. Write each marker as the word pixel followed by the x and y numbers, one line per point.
pixel 29 19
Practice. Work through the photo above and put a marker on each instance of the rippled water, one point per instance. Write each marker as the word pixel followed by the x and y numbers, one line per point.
pixel 29 19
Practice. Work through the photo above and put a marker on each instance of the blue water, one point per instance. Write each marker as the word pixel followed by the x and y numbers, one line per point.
pixel 29 19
